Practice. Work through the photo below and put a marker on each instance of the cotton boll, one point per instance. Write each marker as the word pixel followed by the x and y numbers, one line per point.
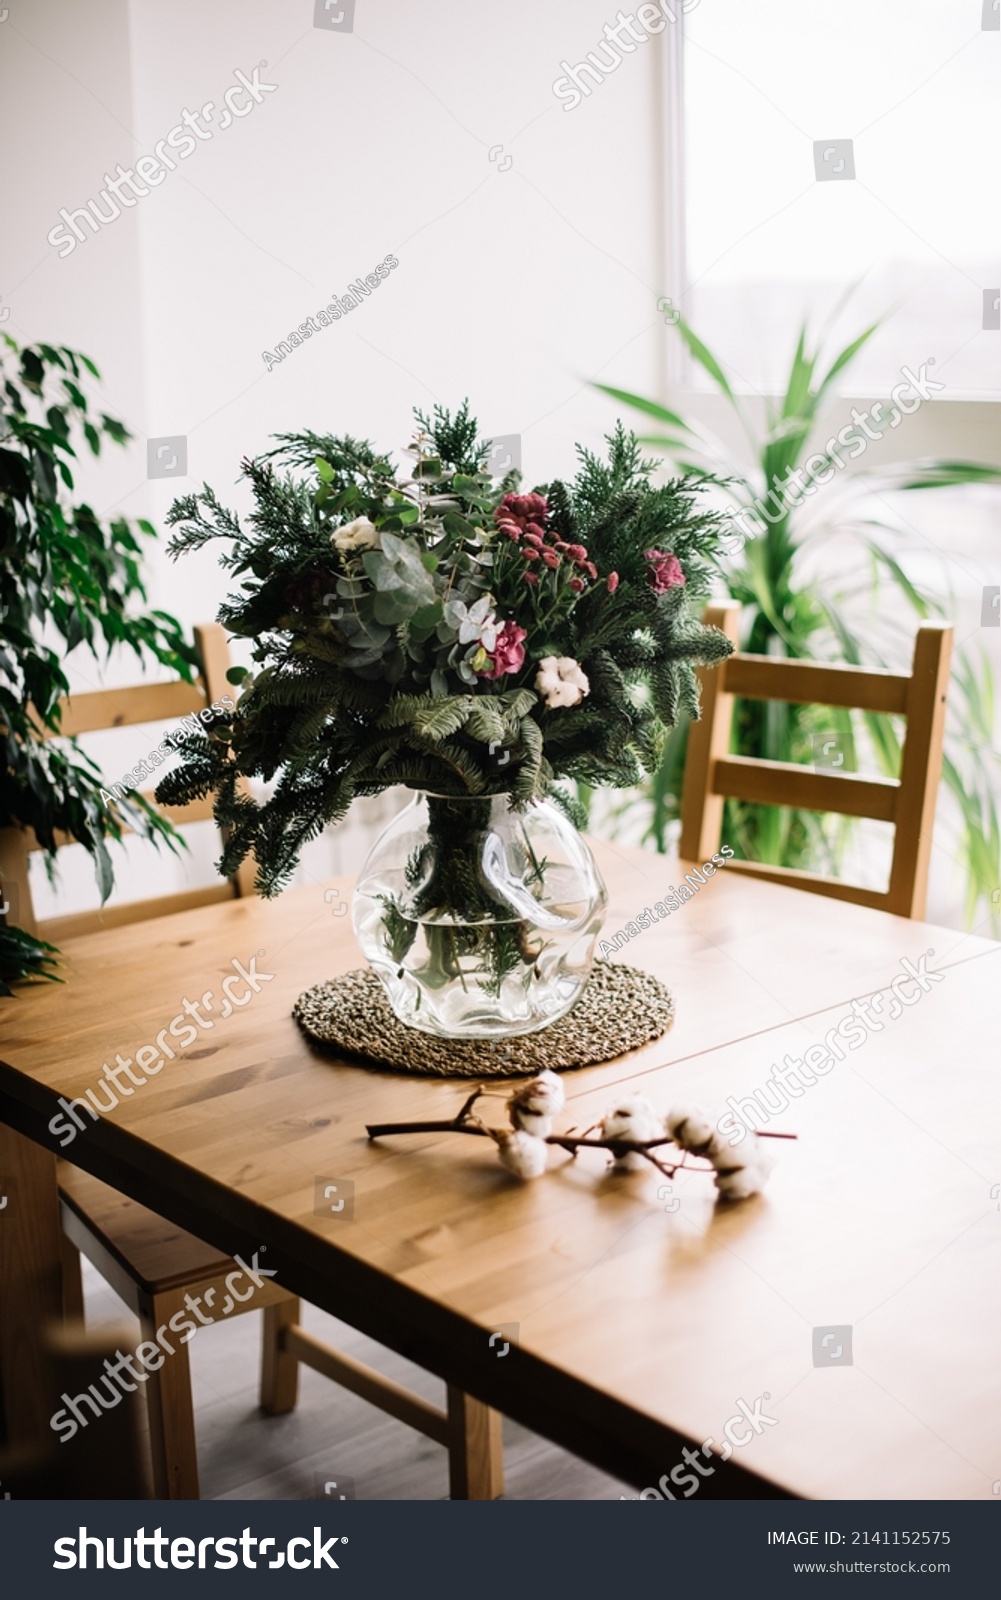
pixel 533 1106
pixel 764 1160
pixel 560 681
pixel 529 1121
pixel 690 1127
pixel 751 1152
pixel 551 1085
pixel 741 1183
pixel 632 1117
pixel 521 1154
pixel 743 1172
pixel 361 534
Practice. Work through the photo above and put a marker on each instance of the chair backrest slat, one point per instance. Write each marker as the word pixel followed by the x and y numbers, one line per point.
pixel 713 775
pixel 119 708
pixel 124 708
pixel 810 683
pixel 779 783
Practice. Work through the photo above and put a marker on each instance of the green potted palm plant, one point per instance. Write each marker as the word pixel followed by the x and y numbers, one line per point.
pixel 779 519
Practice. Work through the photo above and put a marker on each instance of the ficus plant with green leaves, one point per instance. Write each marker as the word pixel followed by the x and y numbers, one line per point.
pixel 767 558
pixel 67 582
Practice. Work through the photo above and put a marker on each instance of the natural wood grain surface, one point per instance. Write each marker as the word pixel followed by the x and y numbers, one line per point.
pixel 639 1328
pixel 831 683
pixel 713 775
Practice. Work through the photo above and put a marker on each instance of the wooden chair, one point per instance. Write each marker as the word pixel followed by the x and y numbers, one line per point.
pixel 713 775
pixel 123 708
pixel 151 1264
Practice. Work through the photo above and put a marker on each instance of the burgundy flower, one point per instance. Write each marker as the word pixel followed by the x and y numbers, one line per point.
pixel 665 570
pixel 525 510
pixel 533 531
pixel 612 582
pixel 531 577
pixel 508 654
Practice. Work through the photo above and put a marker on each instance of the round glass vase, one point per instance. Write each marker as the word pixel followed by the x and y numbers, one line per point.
pixel 480 919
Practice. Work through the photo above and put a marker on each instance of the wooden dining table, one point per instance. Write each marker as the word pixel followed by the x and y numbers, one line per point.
pixel 854 1304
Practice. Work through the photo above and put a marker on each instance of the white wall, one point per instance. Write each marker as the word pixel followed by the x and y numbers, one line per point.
pixel 514 287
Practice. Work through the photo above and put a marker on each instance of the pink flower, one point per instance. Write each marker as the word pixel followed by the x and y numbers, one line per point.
pixel 509 652
pixel 590 569
pixel 576 552
pixel 665 570
pixel 576 585
pixel 612 582
pixel 533 531
pixel 531 577
pixel 535 539
pixel 550 558
pixel 530 553
pixel 527 511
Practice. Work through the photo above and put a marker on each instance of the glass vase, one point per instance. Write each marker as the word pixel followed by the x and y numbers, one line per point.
pixel 480 919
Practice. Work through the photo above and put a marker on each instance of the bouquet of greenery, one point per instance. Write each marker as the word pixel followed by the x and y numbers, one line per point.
pixel 442 631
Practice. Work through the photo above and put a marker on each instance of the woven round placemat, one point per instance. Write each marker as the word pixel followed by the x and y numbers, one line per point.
pixel 620 1009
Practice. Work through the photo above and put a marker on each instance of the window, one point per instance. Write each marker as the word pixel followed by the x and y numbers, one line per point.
pixel 913 85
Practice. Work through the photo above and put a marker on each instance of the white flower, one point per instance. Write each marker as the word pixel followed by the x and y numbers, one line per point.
pixel 632 1117
pixel 533 1106
pixel 521 1154
pixel 476 623
pixel 560 681
pixel 357 535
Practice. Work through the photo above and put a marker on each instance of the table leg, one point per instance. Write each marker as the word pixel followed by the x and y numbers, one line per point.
pixel 475 1449
pixel 31 1289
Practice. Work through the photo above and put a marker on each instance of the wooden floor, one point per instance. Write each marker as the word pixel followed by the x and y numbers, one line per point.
pixel 332 1435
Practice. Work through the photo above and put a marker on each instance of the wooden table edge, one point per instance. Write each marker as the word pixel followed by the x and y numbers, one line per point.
pixel 609 1433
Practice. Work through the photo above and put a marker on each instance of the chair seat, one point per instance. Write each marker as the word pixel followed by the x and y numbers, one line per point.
pixel 154 1253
